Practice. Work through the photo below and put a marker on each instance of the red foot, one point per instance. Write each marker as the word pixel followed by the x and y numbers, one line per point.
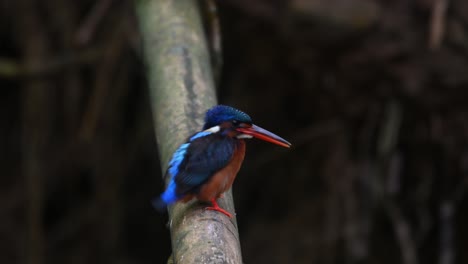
pixel 216 207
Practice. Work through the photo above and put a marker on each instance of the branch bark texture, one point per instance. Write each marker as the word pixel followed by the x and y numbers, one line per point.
pixel 182 89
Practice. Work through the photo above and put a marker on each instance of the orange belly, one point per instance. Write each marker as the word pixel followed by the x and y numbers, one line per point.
pixel 222 180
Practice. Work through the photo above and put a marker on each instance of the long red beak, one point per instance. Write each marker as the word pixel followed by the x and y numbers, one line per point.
pixel 264 134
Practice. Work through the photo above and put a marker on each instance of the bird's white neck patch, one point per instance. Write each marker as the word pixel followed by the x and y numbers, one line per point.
pixel 214 129
pixel 205 132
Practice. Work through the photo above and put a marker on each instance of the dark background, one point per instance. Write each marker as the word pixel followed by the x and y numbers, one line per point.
pixel 372 94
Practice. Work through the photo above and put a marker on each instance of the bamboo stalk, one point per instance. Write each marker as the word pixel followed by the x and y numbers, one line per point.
pixel 181 88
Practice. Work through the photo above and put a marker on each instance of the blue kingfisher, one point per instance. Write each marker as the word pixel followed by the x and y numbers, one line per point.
pixel 205 166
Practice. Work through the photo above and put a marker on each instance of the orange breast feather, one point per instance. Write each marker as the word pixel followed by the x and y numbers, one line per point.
pixel 222 180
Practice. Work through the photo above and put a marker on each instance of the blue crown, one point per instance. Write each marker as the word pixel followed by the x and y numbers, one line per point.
pixel 222 113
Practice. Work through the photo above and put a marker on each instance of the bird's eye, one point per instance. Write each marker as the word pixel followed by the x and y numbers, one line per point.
pixel 235 122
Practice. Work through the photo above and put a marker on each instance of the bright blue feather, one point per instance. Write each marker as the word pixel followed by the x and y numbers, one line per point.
pixel 200 134
pixel 170 195
pixel 177 159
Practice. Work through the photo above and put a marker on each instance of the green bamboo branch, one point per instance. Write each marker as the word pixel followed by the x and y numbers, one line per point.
pixel 182 89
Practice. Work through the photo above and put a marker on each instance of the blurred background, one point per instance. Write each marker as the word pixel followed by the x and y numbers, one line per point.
pixel 372 94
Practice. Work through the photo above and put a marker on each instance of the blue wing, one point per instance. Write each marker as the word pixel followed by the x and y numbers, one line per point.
pixel 194 162
pixel 205 156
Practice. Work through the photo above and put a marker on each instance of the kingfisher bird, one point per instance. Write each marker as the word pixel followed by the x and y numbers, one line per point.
pixel 205 166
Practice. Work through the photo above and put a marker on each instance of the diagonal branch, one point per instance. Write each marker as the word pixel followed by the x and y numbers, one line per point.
pixel 181 88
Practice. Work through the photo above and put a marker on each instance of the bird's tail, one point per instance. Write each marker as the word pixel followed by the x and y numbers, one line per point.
pixel 159 204
pixel 169 196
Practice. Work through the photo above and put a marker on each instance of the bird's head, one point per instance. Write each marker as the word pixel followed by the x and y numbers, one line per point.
pixel 236 123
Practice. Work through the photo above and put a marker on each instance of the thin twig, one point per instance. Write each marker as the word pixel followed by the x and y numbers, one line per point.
pixel 213 26
pixel 437 25
pixel 403 234
pixel 64 15
pixel 106 71
pixel 88 27
pixel 12 69
pixel 446 237
pixel 36 113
